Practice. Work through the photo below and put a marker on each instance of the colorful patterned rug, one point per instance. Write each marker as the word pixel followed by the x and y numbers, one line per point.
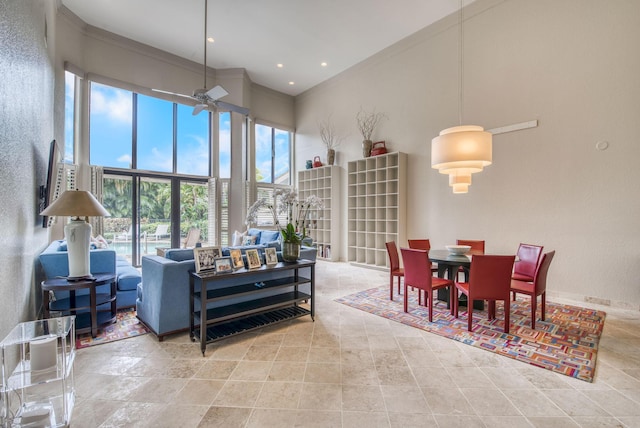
pixel 566 342
pixel 126 326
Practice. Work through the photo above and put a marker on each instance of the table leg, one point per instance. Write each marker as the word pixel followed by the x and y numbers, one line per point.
pixel 94 311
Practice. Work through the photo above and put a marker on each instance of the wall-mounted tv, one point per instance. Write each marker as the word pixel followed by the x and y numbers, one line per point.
pixel 46 190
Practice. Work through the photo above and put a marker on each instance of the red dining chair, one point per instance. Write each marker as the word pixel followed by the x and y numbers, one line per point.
pixel 417 273
pixel 535 288
pixel 477 247
pixel 490 279
pixel 528 257
pixel 422 244
pixel 394 266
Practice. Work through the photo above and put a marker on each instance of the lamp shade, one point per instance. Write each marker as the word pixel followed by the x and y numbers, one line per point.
pixel 468 147
pixel 76 203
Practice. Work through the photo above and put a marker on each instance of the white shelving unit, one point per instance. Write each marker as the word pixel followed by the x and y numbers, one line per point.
pixel 377 208
pixel 324 225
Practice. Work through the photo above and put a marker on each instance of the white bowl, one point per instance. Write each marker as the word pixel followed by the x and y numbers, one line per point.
pixel 458 250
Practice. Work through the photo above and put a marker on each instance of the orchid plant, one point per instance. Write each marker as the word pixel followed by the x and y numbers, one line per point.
pixel 297 211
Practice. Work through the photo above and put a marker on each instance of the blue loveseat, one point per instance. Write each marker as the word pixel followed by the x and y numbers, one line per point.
pixel 163 294
pixel 54 261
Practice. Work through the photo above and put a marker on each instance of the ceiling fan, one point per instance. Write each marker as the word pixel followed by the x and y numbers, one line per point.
pixel 209 97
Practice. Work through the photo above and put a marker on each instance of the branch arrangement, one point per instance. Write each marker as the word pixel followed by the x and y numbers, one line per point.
pixel 328 134
pixel 367 122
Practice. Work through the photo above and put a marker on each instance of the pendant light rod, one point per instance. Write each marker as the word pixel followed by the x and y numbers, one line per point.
pixel 460 60
pixel 205 44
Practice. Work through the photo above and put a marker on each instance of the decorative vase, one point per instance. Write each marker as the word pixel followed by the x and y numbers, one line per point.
pixel 366 148
pixel 331 156
pixel 290 251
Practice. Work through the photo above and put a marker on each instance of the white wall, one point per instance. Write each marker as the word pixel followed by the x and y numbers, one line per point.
pixel 26 118
pixel 573 66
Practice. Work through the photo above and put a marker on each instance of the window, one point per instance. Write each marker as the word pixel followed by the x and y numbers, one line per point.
pixel 113 126
pixel 69 115
pixel 154 129
pixel 110 126
pixel 224 145
pixel 273 155
pixel 193 148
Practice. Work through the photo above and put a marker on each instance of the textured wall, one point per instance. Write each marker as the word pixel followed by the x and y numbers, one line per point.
pixel 26 128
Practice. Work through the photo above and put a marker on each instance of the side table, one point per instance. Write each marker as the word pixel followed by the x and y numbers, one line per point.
pixel 84 306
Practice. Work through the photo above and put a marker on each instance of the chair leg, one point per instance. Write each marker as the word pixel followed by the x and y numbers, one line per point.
pixel 534 308
pixel 543 305
pixel 390 287
pixel 406 297
pixel 428 301
pixel 469 312
pixel 507 314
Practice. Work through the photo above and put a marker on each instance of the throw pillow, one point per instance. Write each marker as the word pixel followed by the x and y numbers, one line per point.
pixel 238 238
pixel 249 240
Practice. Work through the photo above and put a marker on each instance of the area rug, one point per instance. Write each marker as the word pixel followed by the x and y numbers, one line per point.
pixel 126 326
pixel 566 342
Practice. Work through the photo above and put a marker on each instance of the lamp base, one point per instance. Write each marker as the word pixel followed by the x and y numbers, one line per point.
pixel 81 278
pixel 78 235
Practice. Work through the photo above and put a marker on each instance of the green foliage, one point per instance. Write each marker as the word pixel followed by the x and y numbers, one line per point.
pixel 289 234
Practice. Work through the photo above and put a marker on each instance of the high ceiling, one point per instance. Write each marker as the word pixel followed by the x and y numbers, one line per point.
pixel 259 34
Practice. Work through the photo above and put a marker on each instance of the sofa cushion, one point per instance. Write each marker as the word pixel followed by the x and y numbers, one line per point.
pixel 249 240
pixel 179 254
pixel 237 238
pixel 267 236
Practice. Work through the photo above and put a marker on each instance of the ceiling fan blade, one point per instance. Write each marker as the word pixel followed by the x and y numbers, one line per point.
pixel 198 108
pixel 172 93
pixel 232 107
pixel 217 92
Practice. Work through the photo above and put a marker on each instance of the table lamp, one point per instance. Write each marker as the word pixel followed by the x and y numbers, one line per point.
pixel 76 204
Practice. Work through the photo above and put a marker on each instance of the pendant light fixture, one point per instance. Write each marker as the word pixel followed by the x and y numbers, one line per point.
pixel 465 149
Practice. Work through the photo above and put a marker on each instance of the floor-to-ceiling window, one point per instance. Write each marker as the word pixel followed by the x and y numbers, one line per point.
pixel 156 157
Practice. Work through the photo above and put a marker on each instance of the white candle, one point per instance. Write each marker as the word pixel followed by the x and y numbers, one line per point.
pixel 44 352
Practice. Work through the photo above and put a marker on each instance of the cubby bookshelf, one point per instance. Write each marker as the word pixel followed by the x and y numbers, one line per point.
pixel 377 208
pixel 323 225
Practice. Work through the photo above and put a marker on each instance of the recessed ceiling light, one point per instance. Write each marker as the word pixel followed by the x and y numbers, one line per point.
pixel 279 65
pixel 210 39
pixel 292 83
pixel 323 64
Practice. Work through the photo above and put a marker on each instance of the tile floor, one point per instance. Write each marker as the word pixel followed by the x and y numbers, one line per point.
pixel 349 369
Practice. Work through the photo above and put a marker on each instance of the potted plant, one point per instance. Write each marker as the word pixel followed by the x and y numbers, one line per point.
pixel 330 139
pixel 367 122
pixel 297 211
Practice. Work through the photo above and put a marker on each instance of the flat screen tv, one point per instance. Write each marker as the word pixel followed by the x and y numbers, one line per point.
pixel 46 191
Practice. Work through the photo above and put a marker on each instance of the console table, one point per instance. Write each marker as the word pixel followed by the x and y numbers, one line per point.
pixel 85 306
pixel 237 311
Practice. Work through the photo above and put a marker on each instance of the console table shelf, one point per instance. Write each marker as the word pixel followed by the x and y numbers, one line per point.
pixel 225 304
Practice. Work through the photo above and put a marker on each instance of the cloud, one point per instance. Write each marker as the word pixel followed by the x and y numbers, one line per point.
pixel 114 103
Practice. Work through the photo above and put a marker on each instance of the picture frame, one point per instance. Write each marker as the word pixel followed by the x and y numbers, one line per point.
pixel 253 259
pixel 236 258
pixel 205 257
pixel 223 265
pixel 271 257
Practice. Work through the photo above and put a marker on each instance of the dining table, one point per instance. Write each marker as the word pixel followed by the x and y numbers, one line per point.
pixel 450 265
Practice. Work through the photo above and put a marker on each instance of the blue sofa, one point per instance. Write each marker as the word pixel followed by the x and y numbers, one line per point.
pixel 54 261
pixel 163 294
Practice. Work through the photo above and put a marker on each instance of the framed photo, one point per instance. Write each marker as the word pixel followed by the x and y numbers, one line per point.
pixel 236 259
pixel 253 259
pixel 204 257
pixel 223 265
pixel 270 256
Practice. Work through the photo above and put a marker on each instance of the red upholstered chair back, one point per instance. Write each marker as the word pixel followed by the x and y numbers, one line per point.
pixel 394 260
pixel 477 247
pixel 417 268
pixel 540 278
pixel 490 277
pixel 528 259
pixel 420 244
